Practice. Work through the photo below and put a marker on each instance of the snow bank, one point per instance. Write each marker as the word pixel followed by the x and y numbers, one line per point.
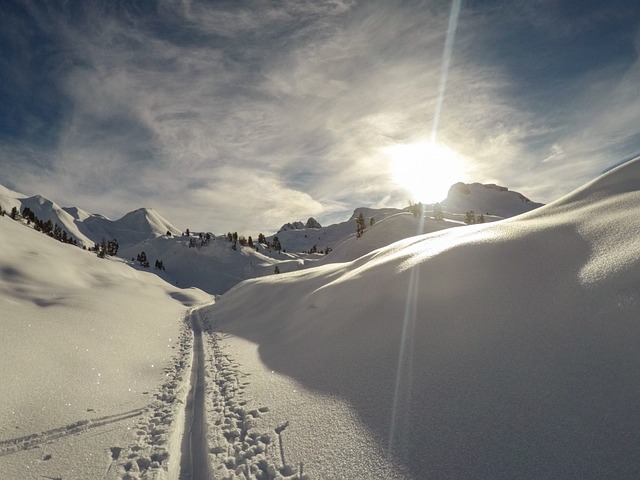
pixel 84 345
pixel 504 350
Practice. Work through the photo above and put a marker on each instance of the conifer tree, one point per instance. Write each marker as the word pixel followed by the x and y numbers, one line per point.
pixel 470 218
pixel 437 212
pixel 360 225
pixel 276 244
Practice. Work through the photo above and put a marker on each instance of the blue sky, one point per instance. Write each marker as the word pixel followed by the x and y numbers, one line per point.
pixel 243 115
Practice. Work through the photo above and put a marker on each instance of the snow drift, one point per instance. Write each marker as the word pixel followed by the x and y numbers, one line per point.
pixel 502 350
pixel 85 343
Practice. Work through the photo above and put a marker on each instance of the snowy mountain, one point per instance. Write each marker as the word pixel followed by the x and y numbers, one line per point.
pixel 304 237
pixel 45 209
pixel 89 229
pixel 9 198
pixel 502 350
pixel 214 266
pixel 133 228
pixel 487 199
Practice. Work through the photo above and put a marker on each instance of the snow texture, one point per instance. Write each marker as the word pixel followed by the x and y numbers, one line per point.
pixel 83 347
pixel 487 199
pixel 499 350
pixel 503 350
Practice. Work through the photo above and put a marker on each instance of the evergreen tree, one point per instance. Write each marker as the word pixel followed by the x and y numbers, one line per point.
pixel 437 212
pixel 261 238
pixel 276 244
pixel 101 250
pixel 360 225
pixel 372 221
pixel 112 247
pixel 470 218
pixel 250 241
pixel 415 209
pixel 480 218
pixel 14 213
pixel 47 227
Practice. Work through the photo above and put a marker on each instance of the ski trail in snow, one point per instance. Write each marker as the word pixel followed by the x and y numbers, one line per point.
pixel 13 445
pixel 156 453
pixel 238 447
pixel 194 462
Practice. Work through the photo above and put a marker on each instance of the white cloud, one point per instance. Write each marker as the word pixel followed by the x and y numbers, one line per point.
pixel 229 119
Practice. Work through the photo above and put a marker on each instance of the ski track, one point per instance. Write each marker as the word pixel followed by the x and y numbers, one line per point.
pixel 13 445
pixel 194 462
pixel 237 447
pixel 150 456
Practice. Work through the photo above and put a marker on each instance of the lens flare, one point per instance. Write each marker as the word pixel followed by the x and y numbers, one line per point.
pixel 402 411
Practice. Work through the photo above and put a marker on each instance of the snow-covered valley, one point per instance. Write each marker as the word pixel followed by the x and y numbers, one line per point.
pixel 423 349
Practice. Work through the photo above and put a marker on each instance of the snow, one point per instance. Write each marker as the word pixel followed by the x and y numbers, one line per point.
pixel 87 228
pixel 487 199
pixel 498 350
pixel 9 199
pixel 503 350
pixel 45 209
pixel 83 339
pixel 301 240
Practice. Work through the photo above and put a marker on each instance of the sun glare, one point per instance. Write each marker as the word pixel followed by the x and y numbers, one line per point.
pixel 425 170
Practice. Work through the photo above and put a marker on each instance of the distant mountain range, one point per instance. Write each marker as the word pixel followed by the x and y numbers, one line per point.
pixel 215 266
pixel 89 228
pixel 145 223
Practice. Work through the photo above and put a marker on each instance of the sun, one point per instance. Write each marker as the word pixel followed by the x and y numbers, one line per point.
pixel 426 170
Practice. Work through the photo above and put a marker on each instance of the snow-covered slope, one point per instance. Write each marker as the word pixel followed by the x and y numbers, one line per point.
pixel 133 228
pixel 503 350
pixel 45 209
pixel 384 232
pixel 85 344
pixel 214 267
pixel 487 199
pixel 303 239
pixel 88 228
pixel 9 199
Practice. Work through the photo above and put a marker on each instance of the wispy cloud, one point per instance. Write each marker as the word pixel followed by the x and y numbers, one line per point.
pixel 245 115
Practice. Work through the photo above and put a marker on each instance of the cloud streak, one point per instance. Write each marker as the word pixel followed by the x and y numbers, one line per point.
pixel 244 115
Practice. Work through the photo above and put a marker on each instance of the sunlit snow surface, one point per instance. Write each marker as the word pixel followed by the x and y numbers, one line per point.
pixel 82 339
pixel 524 353
pixel 521 359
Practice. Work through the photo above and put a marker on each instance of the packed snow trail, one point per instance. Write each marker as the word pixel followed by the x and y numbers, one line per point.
pixel 194 462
